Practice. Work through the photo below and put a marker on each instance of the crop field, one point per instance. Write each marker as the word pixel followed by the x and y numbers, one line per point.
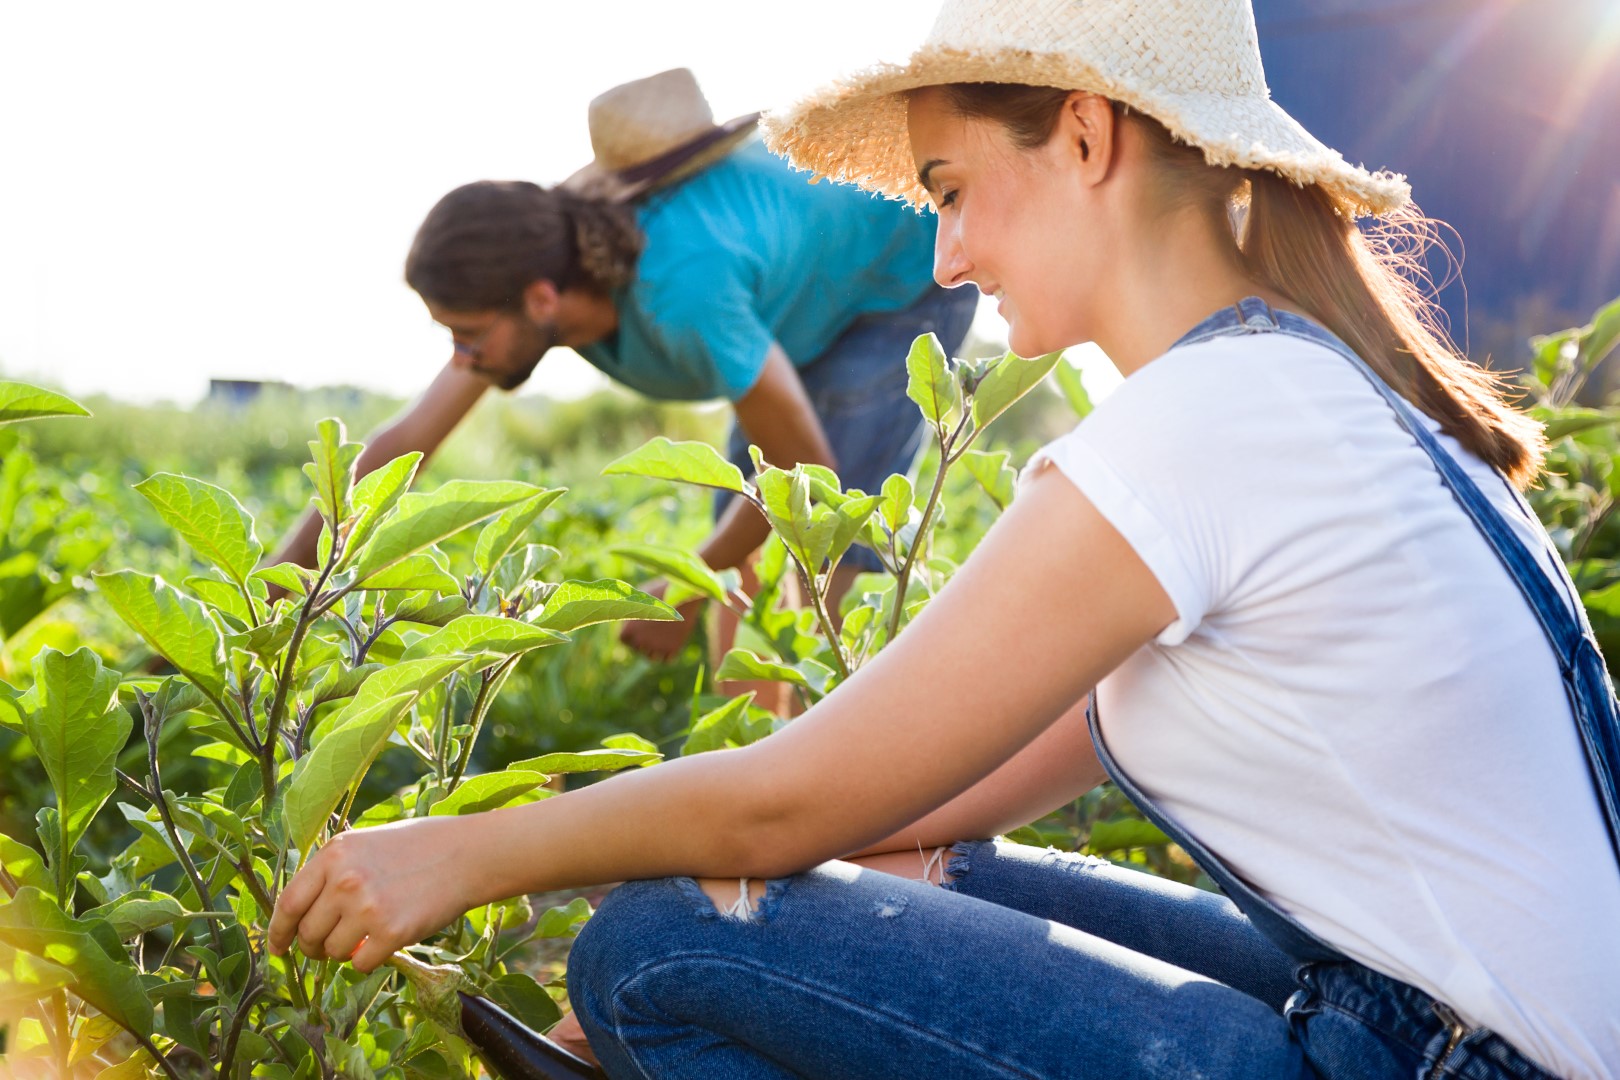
pixel 183 720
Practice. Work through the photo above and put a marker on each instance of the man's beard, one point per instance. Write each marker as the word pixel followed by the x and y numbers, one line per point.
pixel 548 338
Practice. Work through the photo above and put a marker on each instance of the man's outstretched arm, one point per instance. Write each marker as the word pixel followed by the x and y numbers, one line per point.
pixel 423 426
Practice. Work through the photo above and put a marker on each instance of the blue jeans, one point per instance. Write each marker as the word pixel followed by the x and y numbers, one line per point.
pixel 858 389
pixel 1031 964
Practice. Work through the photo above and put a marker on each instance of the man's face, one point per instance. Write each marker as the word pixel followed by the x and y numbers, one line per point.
pixel 501 346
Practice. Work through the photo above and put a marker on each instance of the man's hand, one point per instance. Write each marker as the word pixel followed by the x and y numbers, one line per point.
pixel 371 891
pixel 662 640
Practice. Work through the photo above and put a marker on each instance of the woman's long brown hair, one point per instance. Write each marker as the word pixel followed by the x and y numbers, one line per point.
pixel 1362 284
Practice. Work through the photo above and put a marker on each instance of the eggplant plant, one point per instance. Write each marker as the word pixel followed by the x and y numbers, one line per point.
pixel 296 685
pixel 814 522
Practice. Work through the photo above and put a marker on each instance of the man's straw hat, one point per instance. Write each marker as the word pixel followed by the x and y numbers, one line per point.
pixel 653 132
pixel 1193 65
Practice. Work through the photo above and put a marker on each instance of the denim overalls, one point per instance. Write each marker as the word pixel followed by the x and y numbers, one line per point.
pixel 1343 1004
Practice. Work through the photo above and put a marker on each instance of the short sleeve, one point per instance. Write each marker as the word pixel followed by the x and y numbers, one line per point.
pixel 703 312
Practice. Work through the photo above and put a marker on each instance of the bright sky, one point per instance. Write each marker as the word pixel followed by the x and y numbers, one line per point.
pixel 197 189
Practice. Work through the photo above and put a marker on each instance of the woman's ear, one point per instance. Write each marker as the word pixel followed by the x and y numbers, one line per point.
pixel 1087 126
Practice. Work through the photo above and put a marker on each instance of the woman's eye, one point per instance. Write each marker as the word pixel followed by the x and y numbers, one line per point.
pixel 946 198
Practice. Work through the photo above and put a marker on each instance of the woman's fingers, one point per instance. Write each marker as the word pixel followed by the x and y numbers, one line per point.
pixel 344 941
pixel 294 904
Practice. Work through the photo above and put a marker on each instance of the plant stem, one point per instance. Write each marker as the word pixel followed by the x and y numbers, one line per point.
pixel 487 690
pixel 243 1008
pixel 161 801
pixel 157 1055
pixel 918 539
pixel 63 1032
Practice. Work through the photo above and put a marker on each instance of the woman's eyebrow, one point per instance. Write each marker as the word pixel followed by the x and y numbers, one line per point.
pixel 923 173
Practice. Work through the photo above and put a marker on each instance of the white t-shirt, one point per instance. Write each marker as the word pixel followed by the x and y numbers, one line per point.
pixel 1355 707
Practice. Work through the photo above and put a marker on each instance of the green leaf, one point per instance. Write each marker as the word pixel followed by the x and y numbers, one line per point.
pixel 11 707
pixel 25 981
pixel 491 791
pixel 998 478
pixel 786 499
pixel 627 741
pixel 1073 388
pixel 1118 834
pixel 139 912
pixel 289 576
pixel 897 502
pixel 931 384
pixel 414 573
pixel 574 604
pixel 209 519
pixel 222 596
pixel 172 623
pixel 1573 421
pixel 337 763
pixel 103 974
pixel 375 495
pixel 677 565
pixel 509 528
pixel 333 469
pixel 1009 380
pixel 19 401
pixel 740 664
pixel 409 677
pixel 714 730
pixel 562 921
pixel 473 634
pixel 425 609
pixel 77 729
pixel 25 865
pixel 846 522
pixel 583 761
pixel 525 999
pixel 688 462
pixel 421 520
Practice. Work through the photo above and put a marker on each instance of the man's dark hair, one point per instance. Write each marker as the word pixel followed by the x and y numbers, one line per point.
pixel 484 243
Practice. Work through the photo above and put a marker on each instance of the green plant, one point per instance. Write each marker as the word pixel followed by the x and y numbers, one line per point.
pixel 292 700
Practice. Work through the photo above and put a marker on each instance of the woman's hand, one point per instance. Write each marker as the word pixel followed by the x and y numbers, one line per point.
pixel 371 891
pixel 662 640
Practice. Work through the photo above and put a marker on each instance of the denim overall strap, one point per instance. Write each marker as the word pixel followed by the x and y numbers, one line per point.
pixel 1586 679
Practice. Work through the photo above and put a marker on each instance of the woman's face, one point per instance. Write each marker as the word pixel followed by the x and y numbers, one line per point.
pixel 1011 221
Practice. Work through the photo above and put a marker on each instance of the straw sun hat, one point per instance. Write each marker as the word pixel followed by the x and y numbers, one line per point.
pixel 653 132
pixel 1193 65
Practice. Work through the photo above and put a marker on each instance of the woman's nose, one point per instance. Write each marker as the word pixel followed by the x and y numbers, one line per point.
pixel 951 264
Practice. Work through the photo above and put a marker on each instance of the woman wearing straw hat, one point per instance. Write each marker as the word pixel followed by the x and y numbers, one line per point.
pixel 688 263
pixel 1326 646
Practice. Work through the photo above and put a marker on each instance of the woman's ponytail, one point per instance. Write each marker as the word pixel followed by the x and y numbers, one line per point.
pixel 1363 287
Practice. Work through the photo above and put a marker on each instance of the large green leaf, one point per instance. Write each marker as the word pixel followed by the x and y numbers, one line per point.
pixel 421 520
pixel 222 596
pixel 174 624
pixel 508 529
pixel 377 493
pixel 1010 379
pixel 524 998
pixel 337 764
pixel 845 522
pixel 209 519
pixel 19 401
pixel 408 677
pixel 677 565
pixel 25 981
pixel 574 604
pixel 473 634
pixel 333 468
pixel 77 729
pixel 103 973
pixel 139 912
pixel 24 864
pixel 897 501
pixel 1118 834
pixel 688 462
pixel 931 384
pixel 587 761
pixel 414 573
pixel 715 730
pixel 786 498
pixel 491 791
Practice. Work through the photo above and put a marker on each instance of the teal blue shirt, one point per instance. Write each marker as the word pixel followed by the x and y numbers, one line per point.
pixel 748 252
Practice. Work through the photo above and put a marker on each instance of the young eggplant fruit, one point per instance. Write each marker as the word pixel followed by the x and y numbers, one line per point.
pixel 511 1049
pixel 515 1050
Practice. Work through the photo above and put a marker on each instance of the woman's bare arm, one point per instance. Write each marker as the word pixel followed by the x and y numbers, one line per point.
pixel 1052 600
